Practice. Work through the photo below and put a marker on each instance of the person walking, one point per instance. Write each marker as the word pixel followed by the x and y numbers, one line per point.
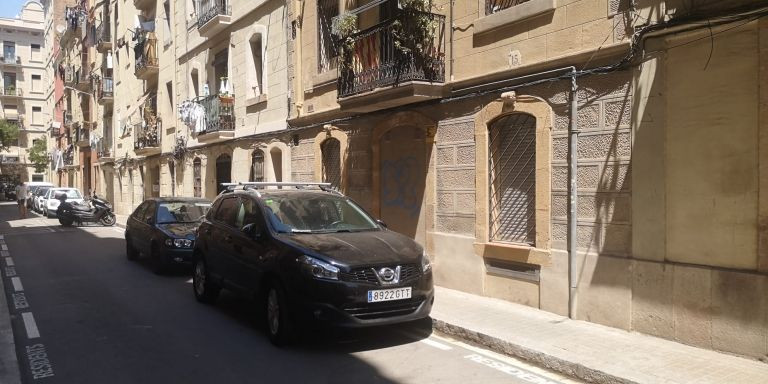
pixel 21 198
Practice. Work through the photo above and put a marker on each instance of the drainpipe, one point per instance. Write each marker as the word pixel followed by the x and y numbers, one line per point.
pixel 573 197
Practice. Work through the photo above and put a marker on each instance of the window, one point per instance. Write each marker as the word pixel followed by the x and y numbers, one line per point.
pixel 331 150
pixel 36 83
pixel 149 214
pixel 194 84
pixel 227 210
pixel 169 91
pixel 248 213
pixel 493 6
pixel 37 115
pixel 277 163
pixel 256 66
pixel 9 52
pixel 167 38
pixel 35 52
pixel 197 178
pixel 257 166
pixel 327 55
pixel 512 178
pixel 221 71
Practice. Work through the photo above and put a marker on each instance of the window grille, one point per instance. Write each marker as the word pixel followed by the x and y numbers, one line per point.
pixel 493 6
pixel 512 179
pixel 331 150
pixel 196 170
pixel 326 11
pixel 257 166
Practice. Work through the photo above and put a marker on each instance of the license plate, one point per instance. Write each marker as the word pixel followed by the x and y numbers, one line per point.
pixel 389 294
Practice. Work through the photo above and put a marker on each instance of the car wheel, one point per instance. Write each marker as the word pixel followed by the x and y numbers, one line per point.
pixel 278 317
pixel 206 291
pixel 130 251
pixel 158 260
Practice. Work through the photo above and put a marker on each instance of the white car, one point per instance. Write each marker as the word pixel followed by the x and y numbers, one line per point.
pixel 52 202
pixel 39 199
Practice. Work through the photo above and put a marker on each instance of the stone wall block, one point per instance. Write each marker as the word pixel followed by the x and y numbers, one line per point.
pixel 560 206
pixel 560 232
pixel 456 224
pixel 465 202
pixel 692 298
pixel 738 313
pixel 559 178
pixel 589 117
pixel 560 148
pixel 618 113
pixel 446 156
pixel 359 160
pixel 455 179
pixel 615 177
pixel 616 240
pixel 651 299
pixel 604 146
pixel 605 291
pixel 455 132
pixel 588 237
pixel 445 203
pixel 465 155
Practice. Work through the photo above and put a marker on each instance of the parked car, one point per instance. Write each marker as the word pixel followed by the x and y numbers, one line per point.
pixel 163 230
pixel 52 202
pixel 310 256
pixel 39 198
pixel 32 187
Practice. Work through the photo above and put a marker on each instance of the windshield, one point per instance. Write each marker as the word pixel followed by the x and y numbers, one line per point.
pixel 71 193
pixel 181 211
pixel 316 214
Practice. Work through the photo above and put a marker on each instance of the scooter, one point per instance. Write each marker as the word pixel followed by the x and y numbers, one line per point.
pixel 69 213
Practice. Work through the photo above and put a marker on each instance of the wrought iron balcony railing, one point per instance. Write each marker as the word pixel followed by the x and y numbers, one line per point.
pixel 211 8
pixel 106 90
pixel 147 133
pixel 83 133
pixel 493 6
pixel 103 36
pixel 10 58
pixel 68 157
pixel 375 57
pixel 67 118
pixel 11 90
pixel 146 53
pixel 70 76
pixel 219 112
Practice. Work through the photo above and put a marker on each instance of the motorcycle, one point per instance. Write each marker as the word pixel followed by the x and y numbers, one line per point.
pixel 101 212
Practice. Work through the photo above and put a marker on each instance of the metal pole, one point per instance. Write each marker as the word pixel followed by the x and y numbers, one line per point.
pixel 573 142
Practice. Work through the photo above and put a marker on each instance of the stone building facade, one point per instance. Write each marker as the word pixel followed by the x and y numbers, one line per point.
pixel 465 141
pixel 23 93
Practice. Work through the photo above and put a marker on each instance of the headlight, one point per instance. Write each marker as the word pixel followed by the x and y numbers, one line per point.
pixel 425 264
pixel 318 268
pixel 179 243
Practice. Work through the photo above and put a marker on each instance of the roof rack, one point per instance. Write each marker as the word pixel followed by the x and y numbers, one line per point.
pixel 326 187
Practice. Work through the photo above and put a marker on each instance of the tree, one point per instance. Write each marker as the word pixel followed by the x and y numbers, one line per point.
pixel 9 134
pixel 38 155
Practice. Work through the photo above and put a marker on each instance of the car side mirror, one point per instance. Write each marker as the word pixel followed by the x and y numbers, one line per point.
pixel 381 222
pixel 151 221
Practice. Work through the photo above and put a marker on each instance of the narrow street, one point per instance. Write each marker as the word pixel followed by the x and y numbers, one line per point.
pixel 82 313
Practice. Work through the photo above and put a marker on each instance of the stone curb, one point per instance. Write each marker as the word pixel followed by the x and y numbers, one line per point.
pixel 568 368
pixel 9 363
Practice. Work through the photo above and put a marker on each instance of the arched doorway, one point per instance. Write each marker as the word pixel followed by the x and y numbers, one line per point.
pixel 257 166
pixel 277 163
pixel 402 181
pixel 223 171
pixel 331 152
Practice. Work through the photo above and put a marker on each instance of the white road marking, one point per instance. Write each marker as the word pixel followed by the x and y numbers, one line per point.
pixel 30 325
pixel 9 262
pixel 5 253
pixel 189 281
pixel 120 231
pixel 2 236
pixel 3 247
pixel 16 281
pixel 435 344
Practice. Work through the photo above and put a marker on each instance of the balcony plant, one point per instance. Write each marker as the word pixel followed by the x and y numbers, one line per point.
pixel 414 32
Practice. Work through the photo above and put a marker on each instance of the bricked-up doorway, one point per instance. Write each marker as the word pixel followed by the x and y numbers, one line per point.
pixel 402 181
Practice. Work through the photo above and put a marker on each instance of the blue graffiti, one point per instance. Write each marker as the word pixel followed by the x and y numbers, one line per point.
pixel 401 185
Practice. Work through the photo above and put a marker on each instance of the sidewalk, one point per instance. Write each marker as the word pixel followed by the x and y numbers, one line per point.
pixel 584 350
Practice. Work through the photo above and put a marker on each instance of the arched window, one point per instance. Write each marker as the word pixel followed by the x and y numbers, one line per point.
pixel 257 166
pixel 256 57
pixel 512 178
pixel 196 175
pixel 331 150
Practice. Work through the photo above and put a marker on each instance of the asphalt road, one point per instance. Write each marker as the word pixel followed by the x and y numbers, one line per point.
pixel 82 313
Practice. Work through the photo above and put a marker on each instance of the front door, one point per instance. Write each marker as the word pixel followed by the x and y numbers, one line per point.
pixel 223 171
pixel 403 180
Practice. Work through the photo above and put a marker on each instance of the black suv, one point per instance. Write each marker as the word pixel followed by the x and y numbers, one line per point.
pixel 312 256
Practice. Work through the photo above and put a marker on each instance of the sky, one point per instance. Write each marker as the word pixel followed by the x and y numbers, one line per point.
pixel 11 8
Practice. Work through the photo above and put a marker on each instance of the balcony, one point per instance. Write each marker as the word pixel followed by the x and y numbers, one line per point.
pixel 146 134
pixel 213 16
pixel 374 73
pixel 11 92
pixel 10 61
pixel 147 63
pixel 83 80
pixel 74 22
pixel 83 135
pixel 68 158
pixel 219 118
pixel 106 91
pixel 103 38
pixel 68 119
pixel 144 4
